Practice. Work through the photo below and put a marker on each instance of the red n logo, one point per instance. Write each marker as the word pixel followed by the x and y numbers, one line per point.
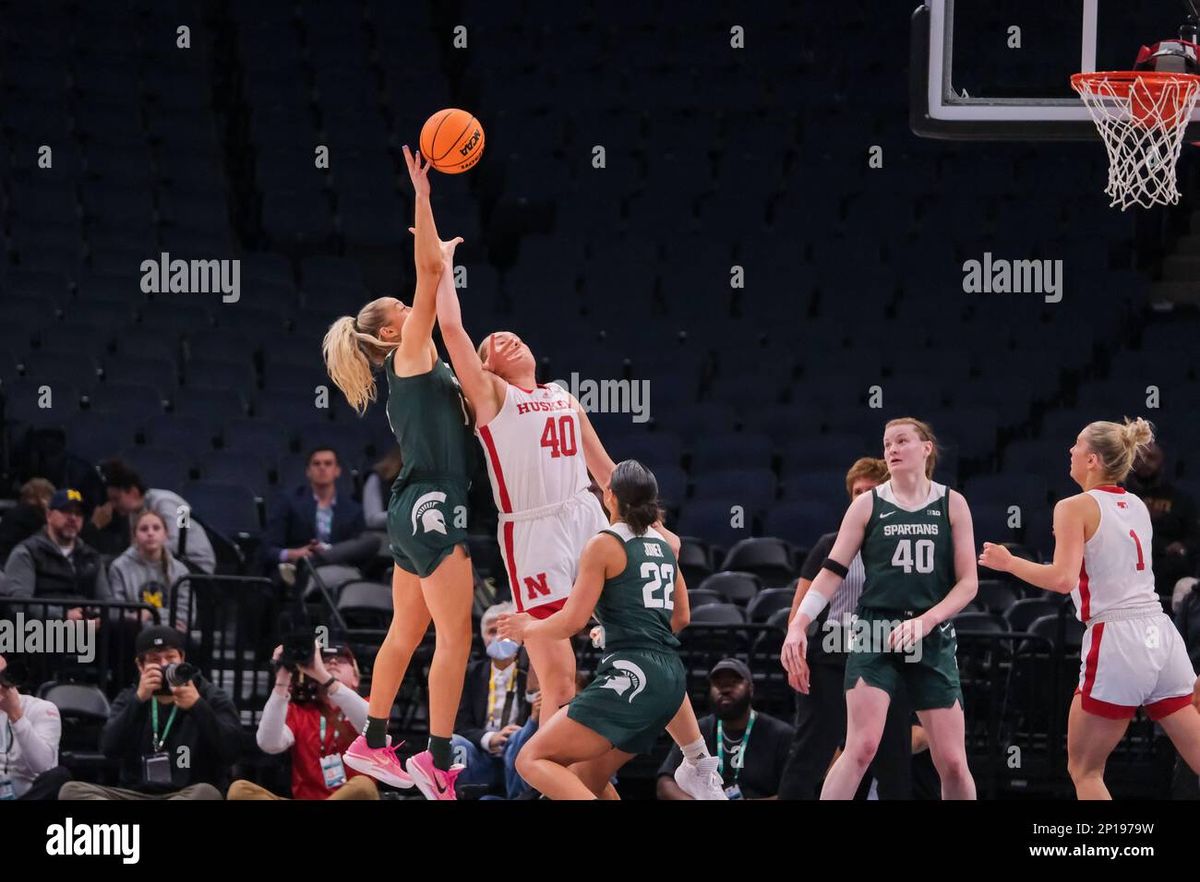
pixel 537 586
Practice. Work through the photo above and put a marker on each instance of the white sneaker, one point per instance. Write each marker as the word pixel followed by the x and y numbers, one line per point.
pixel 700 780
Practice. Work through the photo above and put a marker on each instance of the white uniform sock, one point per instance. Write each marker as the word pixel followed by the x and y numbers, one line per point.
pixel 695 751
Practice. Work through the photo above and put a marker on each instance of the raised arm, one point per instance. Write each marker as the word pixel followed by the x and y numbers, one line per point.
pixel 484 390
pixel 427 254
pixel 1062 575
pixel 599 463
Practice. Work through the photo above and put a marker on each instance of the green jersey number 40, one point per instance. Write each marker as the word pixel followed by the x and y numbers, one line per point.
pixel 660 576
pixel 905 558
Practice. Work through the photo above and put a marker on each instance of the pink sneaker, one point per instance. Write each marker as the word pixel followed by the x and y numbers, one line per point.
pixel 381 763
pixel 430 780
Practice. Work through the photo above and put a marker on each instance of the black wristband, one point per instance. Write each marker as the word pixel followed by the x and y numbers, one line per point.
pixel 332 679
pixel 834 567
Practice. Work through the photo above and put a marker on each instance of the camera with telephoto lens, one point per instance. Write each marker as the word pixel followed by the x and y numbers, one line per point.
pixel 299 647
pixel 177 674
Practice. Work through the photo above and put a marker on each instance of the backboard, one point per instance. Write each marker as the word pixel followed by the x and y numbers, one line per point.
pixel 1000 69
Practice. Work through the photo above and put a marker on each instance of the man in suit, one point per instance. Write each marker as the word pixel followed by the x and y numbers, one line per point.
pixel 314 522
pixel 496 714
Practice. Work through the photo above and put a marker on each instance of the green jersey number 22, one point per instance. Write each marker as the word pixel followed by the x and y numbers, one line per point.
pixel 661 576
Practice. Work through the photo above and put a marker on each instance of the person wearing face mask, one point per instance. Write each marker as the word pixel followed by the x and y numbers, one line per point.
pixel 751 747
pixel 493 710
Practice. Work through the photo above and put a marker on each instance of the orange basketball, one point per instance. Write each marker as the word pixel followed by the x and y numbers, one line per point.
pixel 452 140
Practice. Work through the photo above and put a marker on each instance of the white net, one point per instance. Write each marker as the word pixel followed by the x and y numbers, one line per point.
pixel 1142 118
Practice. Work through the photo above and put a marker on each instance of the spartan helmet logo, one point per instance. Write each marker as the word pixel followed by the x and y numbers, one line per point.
pixel 426 510
pixel 631 676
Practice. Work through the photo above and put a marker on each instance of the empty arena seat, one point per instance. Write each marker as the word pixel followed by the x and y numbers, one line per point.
pixel 753 489
pixel 764 605
pixel 737 588
pixel 231 508
pixel 997 596
pixel 718 614
pixel 768 558
pixel 731 449
pixel 979 621
pixel 801 523
pixel 698 597
pixel 1022 614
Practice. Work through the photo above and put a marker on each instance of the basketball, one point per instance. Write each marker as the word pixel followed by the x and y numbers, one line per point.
pixel 452 140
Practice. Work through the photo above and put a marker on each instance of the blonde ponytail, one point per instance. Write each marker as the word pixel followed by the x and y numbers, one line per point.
pixel 352 350
pixel 1118 445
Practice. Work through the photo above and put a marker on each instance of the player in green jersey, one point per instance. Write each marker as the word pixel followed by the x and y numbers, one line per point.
pixel 629 578
pixel 427 512
pixel 918 550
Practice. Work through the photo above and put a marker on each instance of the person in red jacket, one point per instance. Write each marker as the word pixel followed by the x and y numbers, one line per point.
pixel 315 713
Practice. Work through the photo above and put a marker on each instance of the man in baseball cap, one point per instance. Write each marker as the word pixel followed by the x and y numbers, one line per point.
pixel 751 747
pixel 174 734
pixel 55 562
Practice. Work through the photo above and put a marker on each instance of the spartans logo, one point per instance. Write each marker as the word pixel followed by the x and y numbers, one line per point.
pixel 426 510
pixel 631 676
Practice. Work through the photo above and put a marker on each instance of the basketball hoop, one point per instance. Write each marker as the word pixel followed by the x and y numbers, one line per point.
pixel 1141 115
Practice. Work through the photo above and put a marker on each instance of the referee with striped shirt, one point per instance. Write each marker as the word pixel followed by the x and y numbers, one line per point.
pixel 821 717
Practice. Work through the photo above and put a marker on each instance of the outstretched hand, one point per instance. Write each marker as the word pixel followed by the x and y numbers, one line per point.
pixel 418 171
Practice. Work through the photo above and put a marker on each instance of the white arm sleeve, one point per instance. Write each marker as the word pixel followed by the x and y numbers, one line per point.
pixel 274 735
pixel 353 705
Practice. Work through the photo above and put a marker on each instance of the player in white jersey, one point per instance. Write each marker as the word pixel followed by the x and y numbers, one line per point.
pixel 1132 654
pixel 540 445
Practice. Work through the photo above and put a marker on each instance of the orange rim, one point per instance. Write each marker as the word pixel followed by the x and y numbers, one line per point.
pixel 1121 81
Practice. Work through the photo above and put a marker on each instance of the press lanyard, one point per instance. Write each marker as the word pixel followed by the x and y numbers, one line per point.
pixel 512 687
pixel 7 748
pixel 156 742
pixel 332 743
pixel 745 746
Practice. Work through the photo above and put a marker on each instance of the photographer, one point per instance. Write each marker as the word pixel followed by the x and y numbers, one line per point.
pixel 315 714
pixel 30 729
pixel 175 734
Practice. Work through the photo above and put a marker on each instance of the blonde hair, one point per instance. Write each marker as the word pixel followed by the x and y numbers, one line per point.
pixel 925 433
pixel 1118 444
pixel 352 350
pixel 868 467
pixel 36 491
pixel 164 561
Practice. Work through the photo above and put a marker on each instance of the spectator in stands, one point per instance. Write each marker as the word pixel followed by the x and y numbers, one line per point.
pixel 146 570
pixel 30 729
pixel 492 711
pixel 821 721
pixel 314 713
pixel 313 521
pixel 1173 516
pixel 55 562
pixel 172 742
pixel 751 747
pixel 378 488
pixel 127 497
pixel 27 517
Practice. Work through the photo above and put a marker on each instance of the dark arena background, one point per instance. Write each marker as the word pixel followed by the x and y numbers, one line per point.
pixel 712 222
